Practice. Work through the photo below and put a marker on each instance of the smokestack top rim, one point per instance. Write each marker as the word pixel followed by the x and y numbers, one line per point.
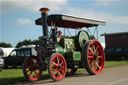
pixel 44 10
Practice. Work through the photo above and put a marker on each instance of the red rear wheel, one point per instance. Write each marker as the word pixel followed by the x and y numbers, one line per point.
pixel 57 67
pixel 32 68
pixel 94 57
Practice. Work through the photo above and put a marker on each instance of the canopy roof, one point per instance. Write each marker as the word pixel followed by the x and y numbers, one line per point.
pixel 65 21
pixel 118 33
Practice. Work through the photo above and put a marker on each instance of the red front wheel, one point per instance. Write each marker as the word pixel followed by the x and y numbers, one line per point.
pixel 94 57
pixel 32 68
pixel 57 67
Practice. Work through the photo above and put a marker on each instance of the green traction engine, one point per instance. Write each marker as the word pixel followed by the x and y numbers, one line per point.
pixel 63 55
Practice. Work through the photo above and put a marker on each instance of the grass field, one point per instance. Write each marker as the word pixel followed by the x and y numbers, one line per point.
pixel 10 76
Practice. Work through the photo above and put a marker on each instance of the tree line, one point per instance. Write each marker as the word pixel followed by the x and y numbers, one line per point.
pixel 28 42
pixel 5 45
pixel 21 43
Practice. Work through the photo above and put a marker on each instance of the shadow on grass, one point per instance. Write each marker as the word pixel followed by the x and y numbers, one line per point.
pixel 16 80
pixel 43 80
pixel 8 81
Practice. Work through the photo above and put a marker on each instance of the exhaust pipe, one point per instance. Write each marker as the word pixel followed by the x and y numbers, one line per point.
pixel 44 16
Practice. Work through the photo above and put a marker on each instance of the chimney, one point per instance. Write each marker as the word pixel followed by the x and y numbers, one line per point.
pixel 44 16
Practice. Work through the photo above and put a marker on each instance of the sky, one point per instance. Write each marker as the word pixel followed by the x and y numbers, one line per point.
pixel 17 17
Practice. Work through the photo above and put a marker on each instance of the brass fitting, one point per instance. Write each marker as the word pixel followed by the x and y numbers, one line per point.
pixel 44 10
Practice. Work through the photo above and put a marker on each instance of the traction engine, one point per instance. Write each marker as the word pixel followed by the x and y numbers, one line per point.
pixel 62 54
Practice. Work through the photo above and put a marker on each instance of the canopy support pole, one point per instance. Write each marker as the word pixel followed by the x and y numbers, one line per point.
pixel 97 32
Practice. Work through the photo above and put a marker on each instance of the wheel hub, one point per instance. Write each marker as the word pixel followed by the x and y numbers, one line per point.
pixel 34 68
pixel 59 66
pixel 95 56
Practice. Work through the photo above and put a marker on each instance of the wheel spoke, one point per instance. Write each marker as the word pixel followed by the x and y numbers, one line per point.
pixel 89 60
pixel 54 71
pixel 61 70
pixel 32 60
pixel 61 63
pixel 95 65
pixel 90 53
pixel 97 53
pixel 54 63
pixel 37 64
pixel 91 57
pixel 35 73
pixel 28 70
pixel 96 49
pixel 91 50
pixel 30 73
pixel 58 73
pixel 98 65
pixel 58 60
pixel 99 56
pixel 91 63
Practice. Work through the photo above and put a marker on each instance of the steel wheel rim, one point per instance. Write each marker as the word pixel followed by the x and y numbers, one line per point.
pixel 32 68
pixel 96 57
pixel 58 67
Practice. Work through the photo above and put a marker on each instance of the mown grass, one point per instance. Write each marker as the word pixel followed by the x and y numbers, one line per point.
pixel 114 63
pixel 11 76
pixel 109 64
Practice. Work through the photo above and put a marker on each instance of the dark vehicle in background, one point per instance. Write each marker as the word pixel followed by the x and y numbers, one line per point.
pixel 17 56
pixel 1 63
pixel 116 53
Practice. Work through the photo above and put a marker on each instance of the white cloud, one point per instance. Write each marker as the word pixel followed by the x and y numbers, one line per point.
pixel 103 3
pixel 108 3
pixel 55 5
pixel 23 21
pixel 92 14
pixel 33 5
pixel 85 13
pixel 117 19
